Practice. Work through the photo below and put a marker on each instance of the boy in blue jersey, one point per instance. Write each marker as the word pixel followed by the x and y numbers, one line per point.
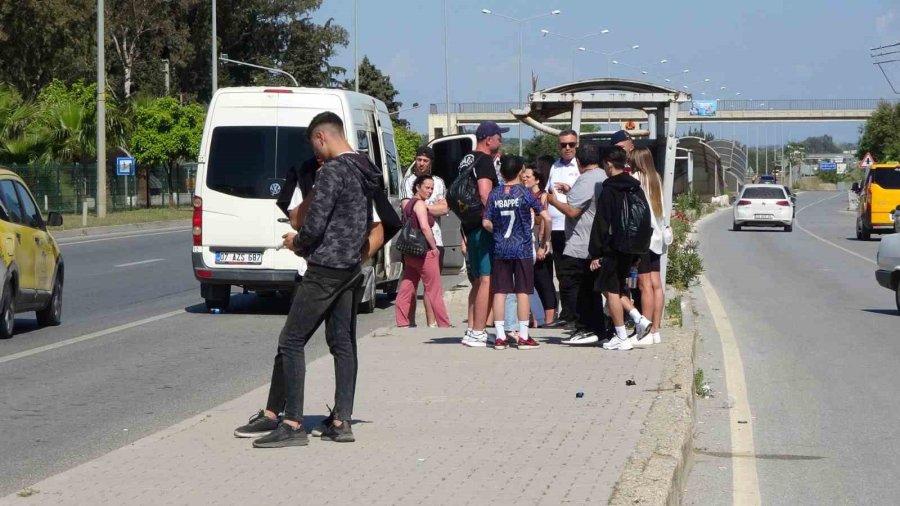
pixel 509 216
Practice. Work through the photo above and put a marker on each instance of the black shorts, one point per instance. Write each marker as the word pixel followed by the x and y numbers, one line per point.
pixel 614 270
pixel 512 276
pixel 649 263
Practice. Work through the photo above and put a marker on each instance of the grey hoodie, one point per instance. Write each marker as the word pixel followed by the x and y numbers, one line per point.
pixel 341 212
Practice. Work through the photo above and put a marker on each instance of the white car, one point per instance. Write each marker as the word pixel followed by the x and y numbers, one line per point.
pixel 888 260
pixel 763 205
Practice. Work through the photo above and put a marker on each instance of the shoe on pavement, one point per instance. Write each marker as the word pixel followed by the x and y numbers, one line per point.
pixel 342 434
pixel 618 343
pixel 282 437
pixel 642 328
pixel 475 339
pixel 656 338
pixel 319 429
pixel 259 425
pixel 643 342
pixel 500 343
pixel 527 344
pixel 581 338
pixel 556 324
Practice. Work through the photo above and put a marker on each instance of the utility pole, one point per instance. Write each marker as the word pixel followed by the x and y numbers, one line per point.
pixel 447 68
pixel 101 113
pixel 166 74
pixel 215 51
pixel 356 44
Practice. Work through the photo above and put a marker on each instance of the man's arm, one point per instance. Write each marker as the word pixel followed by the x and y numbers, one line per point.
pixel 485 186
pixel 328 186
pixel 564 207
pixel 374 242
pixel 439 208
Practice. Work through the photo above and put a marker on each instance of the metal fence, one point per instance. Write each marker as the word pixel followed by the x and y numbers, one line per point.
pixel 66 188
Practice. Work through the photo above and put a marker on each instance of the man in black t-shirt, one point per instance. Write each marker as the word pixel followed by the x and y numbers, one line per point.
pixel 479 242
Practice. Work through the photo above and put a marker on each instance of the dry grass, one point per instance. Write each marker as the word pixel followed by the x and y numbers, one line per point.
pixel 72 221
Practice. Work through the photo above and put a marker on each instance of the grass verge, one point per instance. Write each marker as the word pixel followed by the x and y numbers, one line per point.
pixel 71 221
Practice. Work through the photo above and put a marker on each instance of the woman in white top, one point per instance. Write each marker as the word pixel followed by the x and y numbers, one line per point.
pixel 649 280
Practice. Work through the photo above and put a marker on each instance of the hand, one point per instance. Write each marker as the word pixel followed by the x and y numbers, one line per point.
pixel 541 253
pixel 595 264
pixel 288 240
pixel 562 188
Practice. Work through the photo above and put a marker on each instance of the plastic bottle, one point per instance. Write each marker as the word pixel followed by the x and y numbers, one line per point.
pixel 632 278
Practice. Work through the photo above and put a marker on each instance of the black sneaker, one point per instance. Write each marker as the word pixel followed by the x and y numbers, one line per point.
pixel 258 425
pixel 319 429
pixel 342 434
pixel 283 436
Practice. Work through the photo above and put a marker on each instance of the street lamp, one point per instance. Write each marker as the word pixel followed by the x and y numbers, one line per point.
pixel 545 32
pixel 225 59
pixel 668 79
pixel 688 85
pixel 643 69
pixel 521 22
pixel 414 106
pixel 610 54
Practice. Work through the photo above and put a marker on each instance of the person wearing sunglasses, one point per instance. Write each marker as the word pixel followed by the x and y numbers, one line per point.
pixel 563 174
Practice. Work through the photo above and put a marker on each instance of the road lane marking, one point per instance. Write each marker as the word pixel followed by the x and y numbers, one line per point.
pixel 175 231
pixel 88 337
pixel 826 241
pixel 142 262
pixel 745 481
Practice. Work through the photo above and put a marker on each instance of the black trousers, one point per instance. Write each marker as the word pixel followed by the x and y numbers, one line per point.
pixel 558 242
pixel 328 295
pixel 576 291
pixel 543 282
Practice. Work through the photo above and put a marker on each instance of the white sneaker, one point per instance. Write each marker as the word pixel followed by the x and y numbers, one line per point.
pixel 618 343
pixel 582 338
pixel 475 339
pixel 656 338
pixel 644 341
pixel 642 328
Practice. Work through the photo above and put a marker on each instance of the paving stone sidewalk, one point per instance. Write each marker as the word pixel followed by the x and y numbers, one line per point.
pixel 435 422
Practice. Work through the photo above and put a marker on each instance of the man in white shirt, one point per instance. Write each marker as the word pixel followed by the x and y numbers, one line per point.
pixel 437 207
pixel 563 174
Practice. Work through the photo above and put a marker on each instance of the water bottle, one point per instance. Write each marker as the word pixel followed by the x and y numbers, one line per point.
pixel 632 278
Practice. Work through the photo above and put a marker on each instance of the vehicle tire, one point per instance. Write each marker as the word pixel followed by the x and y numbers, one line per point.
pixel 221 304
pixel 897 297
pixel 51 315
pixel 736 227
pixel 8 312
pixel 858 232
pixel 865 234
pixel 789 228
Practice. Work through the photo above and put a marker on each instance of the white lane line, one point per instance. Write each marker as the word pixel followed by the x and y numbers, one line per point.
pixel 826 241
pixel 87 337
pixel 142 262
pixel 745 481
pixel 61 243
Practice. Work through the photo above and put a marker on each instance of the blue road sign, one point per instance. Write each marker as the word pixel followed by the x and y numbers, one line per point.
pixel 827 166
pixel 124 166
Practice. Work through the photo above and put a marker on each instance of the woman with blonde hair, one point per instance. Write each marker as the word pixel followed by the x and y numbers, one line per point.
pixel 649 280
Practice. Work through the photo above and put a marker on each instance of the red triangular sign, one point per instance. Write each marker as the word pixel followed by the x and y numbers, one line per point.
pixel 867 160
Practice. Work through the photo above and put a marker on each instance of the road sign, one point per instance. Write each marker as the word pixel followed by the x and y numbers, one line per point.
pixel 124 166
pixel 827 166
pixel 867 160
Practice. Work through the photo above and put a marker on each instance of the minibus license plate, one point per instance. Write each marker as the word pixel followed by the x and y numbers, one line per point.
pixel 240 258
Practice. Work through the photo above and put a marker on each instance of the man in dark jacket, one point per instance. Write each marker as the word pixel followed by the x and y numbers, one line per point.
pixel 333 233
pixel 614 265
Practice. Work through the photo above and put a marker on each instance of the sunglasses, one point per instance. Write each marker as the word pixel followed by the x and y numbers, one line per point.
pixel 563 145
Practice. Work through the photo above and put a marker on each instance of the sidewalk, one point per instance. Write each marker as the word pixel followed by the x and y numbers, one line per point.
pixel 436 423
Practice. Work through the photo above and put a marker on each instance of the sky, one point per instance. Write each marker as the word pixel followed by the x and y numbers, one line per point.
pixel 764 49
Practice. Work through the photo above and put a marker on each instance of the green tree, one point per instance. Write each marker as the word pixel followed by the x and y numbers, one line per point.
pixel 699 132
pixel 881 134
pixel 821 144
pixel 408 142
pixel 544 144
pixel 374 83
pixel 16 115
pixel 166 133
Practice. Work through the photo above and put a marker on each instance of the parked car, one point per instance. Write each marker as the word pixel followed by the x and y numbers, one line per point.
pixel 895 217
pixel 767 179
pixel 888 260
pixel 763 205
pixel 252 137
pixel 879 194
pixel 32 266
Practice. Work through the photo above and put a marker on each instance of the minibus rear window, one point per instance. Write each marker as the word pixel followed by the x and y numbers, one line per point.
pixel 887 178
pixel 252 161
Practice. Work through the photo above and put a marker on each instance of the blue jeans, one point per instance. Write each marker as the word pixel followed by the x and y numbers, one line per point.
pixel 537 308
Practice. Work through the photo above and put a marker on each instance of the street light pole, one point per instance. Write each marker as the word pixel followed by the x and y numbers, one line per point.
pixel 446 68
pixel 101 112
pixel 224 58
pixel 356 44
pixel 215 51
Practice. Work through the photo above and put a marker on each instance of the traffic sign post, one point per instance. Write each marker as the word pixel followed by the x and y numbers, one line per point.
pixel 867 161
pixel 827 166
pixel 125 167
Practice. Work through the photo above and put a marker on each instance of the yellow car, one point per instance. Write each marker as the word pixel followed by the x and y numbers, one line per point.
pixel 879 194
pixel 32 266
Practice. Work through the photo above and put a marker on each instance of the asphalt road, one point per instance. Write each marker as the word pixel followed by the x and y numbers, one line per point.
pixel 61 407
pixel 820 343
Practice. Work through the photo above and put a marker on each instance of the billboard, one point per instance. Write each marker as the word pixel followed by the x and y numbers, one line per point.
pixel 704 107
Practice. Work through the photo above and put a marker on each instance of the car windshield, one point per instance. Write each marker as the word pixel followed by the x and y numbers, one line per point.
pixel 252 161
pixel 771 192
pixel 887 178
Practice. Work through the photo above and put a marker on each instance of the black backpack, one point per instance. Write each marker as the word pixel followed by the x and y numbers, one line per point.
pixel 463 197
pixel 633 234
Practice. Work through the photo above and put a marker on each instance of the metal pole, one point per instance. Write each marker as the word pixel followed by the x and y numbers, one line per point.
pixel 166 74
pixel 669 176
pixel 215 51
pixel 521 51
pixel 447 69
pixel 356 43
pixel 101 112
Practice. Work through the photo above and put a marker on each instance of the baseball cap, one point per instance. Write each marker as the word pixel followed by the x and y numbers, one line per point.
pixel 620 136
pixel 425 151
pixel 489 128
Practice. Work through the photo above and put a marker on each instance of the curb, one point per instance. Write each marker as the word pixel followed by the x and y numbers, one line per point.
pixel 116 229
